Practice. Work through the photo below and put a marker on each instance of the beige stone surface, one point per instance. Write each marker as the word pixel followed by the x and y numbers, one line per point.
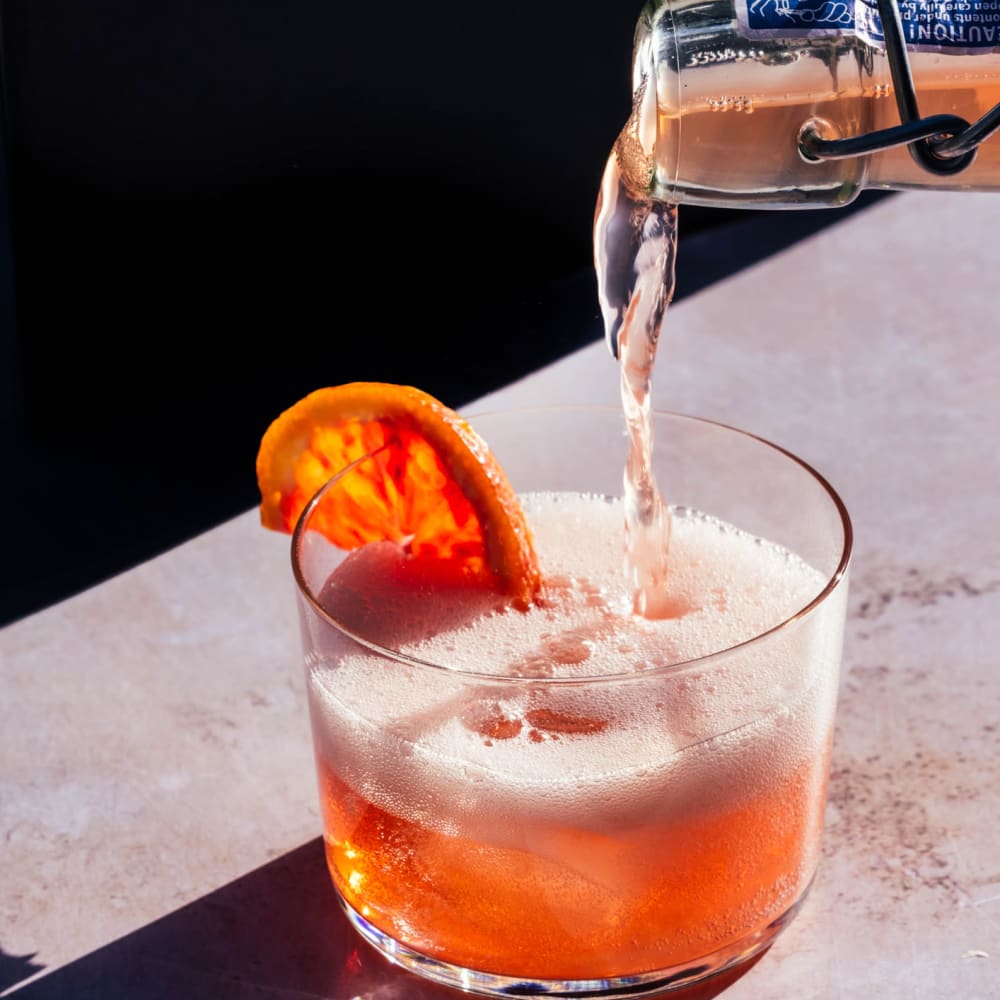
pixel 154 743
pixel 157 806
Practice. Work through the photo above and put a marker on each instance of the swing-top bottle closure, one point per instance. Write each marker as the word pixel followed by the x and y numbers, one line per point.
pixel 775 103
pixel 942 144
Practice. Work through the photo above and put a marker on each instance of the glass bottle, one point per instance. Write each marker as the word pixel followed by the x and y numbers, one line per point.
pixel 723 90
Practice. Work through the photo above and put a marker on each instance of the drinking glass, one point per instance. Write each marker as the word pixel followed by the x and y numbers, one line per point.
pixel 615 834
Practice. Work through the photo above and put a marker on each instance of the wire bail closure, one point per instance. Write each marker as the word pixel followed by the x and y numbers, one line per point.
pixel 941 144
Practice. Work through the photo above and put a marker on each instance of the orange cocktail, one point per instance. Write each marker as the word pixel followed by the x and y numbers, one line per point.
pixel 656 895
pixel 561 794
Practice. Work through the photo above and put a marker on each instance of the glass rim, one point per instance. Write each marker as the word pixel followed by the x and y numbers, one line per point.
pixel 833 580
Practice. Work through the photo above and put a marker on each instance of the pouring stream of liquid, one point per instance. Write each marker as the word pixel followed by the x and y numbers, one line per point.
pixel 635 242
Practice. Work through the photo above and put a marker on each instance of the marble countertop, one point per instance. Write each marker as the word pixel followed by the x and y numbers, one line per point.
pixel 159 831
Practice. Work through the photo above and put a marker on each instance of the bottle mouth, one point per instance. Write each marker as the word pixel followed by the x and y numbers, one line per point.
pixel 656 97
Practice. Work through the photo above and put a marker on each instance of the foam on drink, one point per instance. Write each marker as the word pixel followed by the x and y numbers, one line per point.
pixel 453 755
pixel 725 587
pixel 566 793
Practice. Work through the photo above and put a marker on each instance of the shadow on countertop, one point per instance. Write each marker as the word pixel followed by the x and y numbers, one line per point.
pixel 277 932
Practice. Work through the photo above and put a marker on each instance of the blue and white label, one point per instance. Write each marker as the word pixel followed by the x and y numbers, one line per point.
pixel 955 26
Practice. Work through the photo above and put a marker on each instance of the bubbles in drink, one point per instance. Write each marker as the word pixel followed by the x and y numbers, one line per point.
pixel 615 800
pixel 730 586
pixel 725 586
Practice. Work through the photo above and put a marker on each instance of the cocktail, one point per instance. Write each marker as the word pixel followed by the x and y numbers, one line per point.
pixel 557 795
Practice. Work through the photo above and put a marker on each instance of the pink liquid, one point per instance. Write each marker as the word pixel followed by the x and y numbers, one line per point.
pixel 635 242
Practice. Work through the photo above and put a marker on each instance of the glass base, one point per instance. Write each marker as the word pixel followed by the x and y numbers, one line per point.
pixel 644 984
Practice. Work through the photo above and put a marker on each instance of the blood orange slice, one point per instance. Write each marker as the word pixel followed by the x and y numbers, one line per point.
pixel 431 484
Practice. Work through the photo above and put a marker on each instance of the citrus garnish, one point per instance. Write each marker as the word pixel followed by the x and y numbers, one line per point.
pixel 431 484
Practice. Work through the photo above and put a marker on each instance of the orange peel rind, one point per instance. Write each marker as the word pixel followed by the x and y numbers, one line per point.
pixel 430 484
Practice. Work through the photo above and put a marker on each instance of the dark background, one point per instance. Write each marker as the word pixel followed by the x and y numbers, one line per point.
pixel 213 207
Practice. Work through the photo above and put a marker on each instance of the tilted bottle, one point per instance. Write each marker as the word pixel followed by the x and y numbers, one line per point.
pixel 724 88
